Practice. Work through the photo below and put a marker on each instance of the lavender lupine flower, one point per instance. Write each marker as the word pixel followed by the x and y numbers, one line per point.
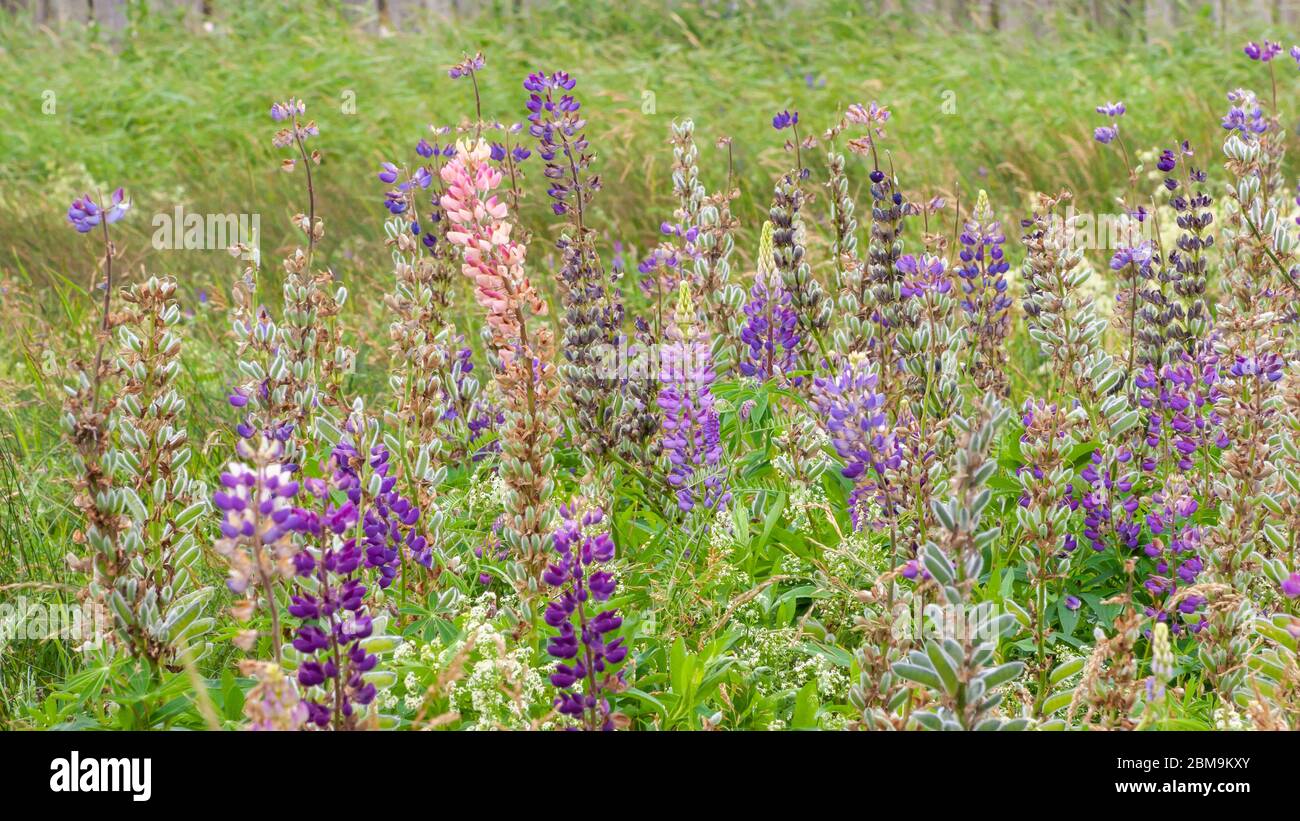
pixel 771 331
pixel 985 301
pixel 691 428
pixel 785 119
pixel 583 673
pixel 1107 134
pixel 84 213
pixel 1139 256
pixel 922 275
pixel 854 412
pixel 255 499
pixel 290 108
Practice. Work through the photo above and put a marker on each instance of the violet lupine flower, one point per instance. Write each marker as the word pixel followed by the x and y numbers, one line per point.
pixel 291 109
pixel 1175 545
pixel 692 430
pixel 390 524
pixel 922 275
pixel 1245 116
pixel 1262 53
pixel 1140 256
pixel 332 609
pixel 661 271
pixel 287 109
pixel 334 624
pixel 467 66
pixel 1107 134
pixel 555 122
pixel 1291 585
pixel 854 412
pixel 84 213
pixel 1108 501
pixel 771 331
pixel 1072 602
pixel 583 673
pixel 985 302
pixel 785 119
pixel 1266 366
pixel 1181 400
pixel 1167 161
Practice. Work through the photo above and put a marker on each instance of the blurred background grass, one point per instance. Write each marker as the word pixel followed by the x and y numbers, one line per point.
pixel 178 114
pixel 176 111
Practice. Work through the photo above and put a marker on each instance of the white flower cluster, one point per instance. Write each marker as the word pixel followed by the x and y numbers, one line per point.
pixel 779 664
pixel 806 502
pixel 501 688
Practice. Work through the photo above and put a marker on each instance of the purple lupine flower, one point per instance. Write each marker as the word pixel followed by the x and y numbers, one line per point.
pixel 785 119
pixel 771 330
pixel 1245 115
pixel 1262 53
pixel 922 276
pixel 390 521
pixel 691 428
pixel 1167 161
pixel 853 411
pixel 84 213
pixel 982 275
pixel 1175 546
pixel 1180 400
pixel 1108 499
pixel 1267 366
pixel 1112 109
pixel 332 609
pixel 1140 256
pixel 1072 603
pixel 583 673
pixel 1105 134
pixel 255 496
pixel 1291 586
pixel 557 125
pixel 467 66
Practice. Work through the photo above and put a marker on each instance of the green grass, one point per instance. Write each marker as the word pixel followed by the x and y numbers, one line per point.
pixel 180 116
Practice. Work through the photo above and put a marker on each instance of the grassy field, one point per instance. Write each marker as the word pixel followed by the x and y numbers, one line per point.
pixel 178 115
